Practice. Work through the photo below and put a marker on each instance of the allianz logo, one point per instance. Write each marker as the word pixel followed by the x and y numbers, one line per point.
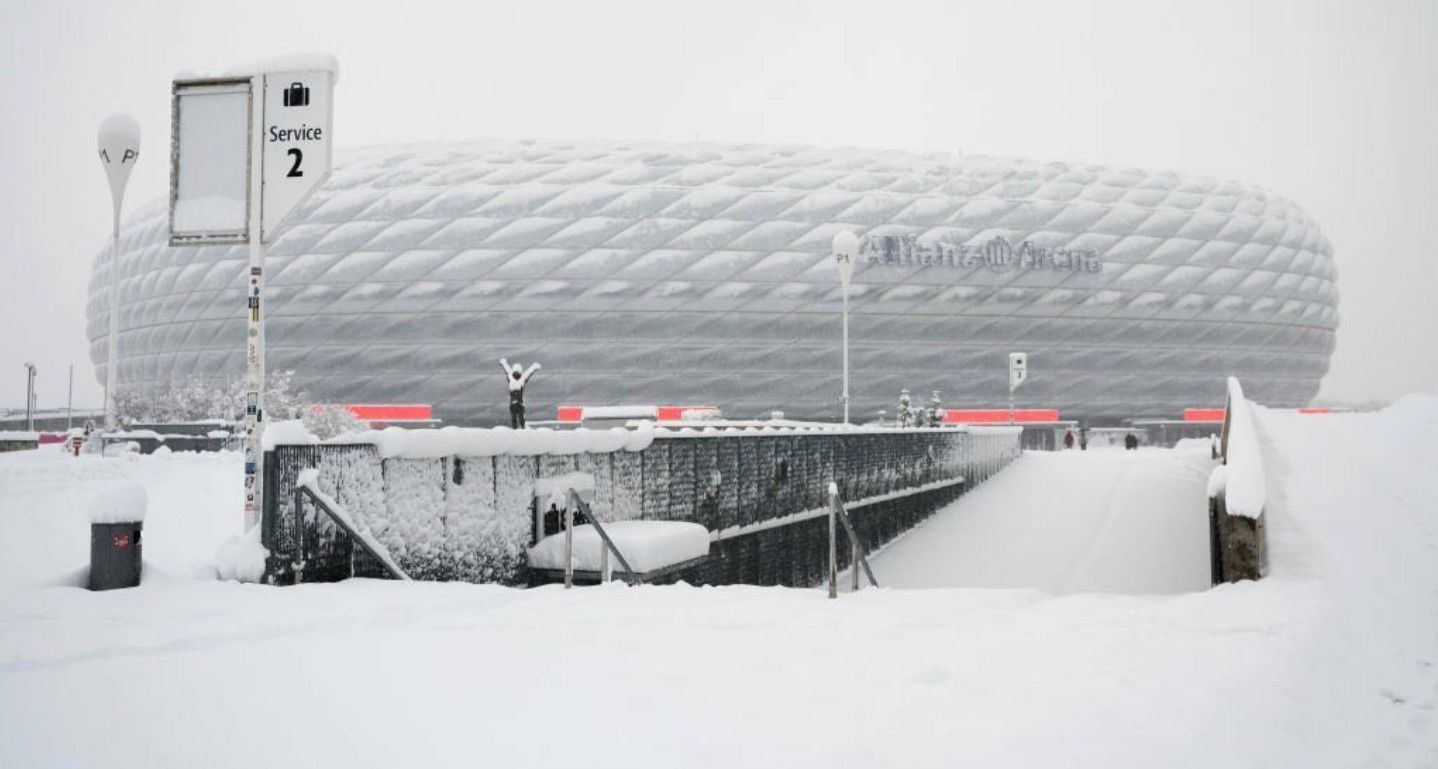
pixel 997 254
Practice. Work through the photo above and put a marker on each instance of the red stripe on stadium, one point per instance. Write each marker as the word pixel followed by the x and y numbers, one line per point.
pixel 1203 415
pixel 391 412
pixel 995 416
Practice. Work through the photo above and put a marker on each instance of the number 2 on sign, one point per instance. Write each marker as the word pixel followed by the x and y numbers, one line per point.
pixel 298 156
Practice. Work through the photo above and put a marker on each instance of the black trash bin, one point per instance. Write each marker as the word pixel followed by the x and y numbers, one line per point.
pixel 115 555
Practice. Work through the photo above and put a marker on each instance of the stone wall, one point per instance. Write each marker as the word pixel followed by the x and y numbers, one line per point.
pixel 761 493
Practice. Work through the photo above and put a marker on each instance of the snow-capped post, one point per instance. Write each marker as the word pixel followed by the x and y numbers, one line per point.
pixel 248 146
pixel 30 397
pixel 1018 374
pixel 845 250
pixel 119 147
pixel 117 520
pixel 516 377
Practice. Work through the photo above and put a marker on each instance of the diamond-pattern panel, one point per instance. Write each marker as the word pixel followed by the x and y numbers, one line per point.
pixel 698 273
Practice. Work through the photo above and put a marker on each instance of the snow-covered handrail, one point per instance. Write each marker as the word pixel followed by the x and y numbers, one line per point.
pixel 308 483
pixel 1243 479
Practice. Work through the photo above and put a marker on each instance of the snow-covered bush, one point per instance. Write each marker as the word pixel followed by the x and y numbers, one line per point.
pixel 196 398
pixel 326 422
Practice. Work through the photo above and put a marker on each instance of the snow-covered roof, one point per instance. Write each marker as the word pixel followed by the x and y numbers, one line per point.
pixel 654 272
pixel 295 62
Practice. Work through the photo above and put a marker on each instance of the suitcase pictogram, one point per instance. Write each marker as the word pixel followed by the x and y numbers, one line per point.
pixel 297 95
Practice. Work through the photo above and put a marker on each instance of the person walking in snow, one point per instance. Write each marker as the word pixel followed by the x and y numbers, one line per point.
pixel 517 378
pixel 1068 439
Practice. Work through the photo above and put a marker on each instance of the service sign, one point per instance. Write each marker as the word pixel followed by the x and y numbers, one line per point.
pixel 296 141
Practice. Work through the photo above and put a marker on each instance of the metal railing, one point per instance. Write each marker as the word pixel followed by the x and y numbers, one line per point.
pixel 605 573
pixel 857 557
pixel 302 491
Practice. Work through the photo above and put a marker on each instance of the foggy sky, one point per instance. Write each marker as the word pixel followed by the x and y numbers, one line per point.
pixel 1331 104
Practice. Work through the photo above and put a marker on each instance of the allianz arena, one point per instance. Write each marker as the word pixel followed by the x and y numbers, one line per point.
pixel 650 273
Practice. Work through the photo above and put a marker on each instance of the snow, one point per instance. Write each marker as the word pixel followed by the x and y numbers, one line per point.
pixel 486 442
pixel 209 213
pixel 1067 522
pixel 646 545
pixel 1327 662
pixel 547 487
pixel 124 449
pixel 553 491
pixel 294 62
pixel 1244 491
pixel 134 434
pixel 118 502
pixel 120 128
pixel 1217 480
pixel 242 558
pixel 289 432
pixel 18 435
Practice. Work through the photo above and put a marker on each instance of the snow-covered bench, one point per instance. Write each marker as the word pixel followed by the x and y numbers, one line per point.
pixel 651 548
pixel 633 551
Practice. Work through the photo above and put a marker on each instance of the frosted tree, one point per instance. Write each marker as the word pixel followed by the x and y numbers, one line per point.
pixel 282 399
pixel 196 398
pixel 329 421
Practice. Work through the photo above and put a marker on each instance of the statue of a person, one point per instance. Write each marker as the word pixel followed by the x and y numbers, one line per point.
pixel 517 377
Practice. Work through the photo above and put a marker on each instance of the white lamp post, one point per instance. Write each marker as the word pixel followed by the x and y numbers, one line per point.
pixel 845 249
pixel 30 397
pixel 119 144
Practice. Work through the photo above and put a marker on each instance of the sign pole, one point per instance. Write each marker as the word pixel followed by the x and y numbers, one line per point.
pixel 112 343
pixel 119 145
pixel 845 291
pixel 1018 374
pixel 254 313
pixel 845 247
pixel 246 152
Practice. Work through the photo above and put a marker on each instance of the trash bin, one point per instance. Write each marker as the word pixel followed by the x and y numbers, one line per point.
pixel 115 555
pixel 117 515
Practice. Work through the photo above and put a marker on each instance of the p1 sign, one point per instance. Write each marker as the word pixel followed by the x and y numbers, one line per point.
pixel 845 250
pixel 297 142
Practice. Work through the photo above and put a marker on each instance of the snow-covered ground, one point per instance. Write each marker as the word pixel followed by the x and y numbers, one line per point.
pixel 1069 522
pixel 1329 662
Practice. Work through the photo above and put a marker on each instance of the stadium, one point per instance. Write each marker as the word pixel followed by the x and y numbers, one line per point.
pixel 654 273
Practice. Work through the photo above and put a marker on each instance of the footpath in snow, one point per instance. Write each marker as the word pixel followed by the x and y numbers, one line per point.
pixel 1104 520
pixel 1328 662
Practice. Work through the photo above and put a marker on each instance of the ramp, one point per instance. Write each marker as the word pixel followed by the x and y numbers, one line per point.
pixel 1103 520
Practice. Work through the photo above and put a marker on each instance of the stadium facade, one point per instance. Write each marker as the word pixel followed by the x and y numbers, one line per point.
pixel 700 274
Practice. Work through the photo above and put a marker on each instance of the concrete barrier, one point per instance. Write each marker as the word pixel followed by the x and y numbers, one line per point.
pixel 1237 497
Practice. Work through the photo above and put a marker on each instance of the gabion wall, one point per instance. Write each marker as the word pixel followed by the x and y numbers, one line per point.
pixel 472 518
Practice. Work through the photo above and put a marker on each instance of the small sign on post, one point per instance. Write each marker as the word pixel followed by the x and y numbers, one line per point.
pixel 297 146
pixel 1018 370
pixel 1018 374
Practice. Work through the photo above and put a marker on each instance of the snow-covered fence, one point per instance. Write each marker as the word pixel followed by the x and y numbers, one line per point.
pixel 18 440
pixel 1237 496
pixel 456 504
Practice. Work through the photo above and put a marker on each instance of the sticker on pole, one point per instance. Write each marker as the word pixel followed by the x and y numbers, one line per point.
pixel 297 143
